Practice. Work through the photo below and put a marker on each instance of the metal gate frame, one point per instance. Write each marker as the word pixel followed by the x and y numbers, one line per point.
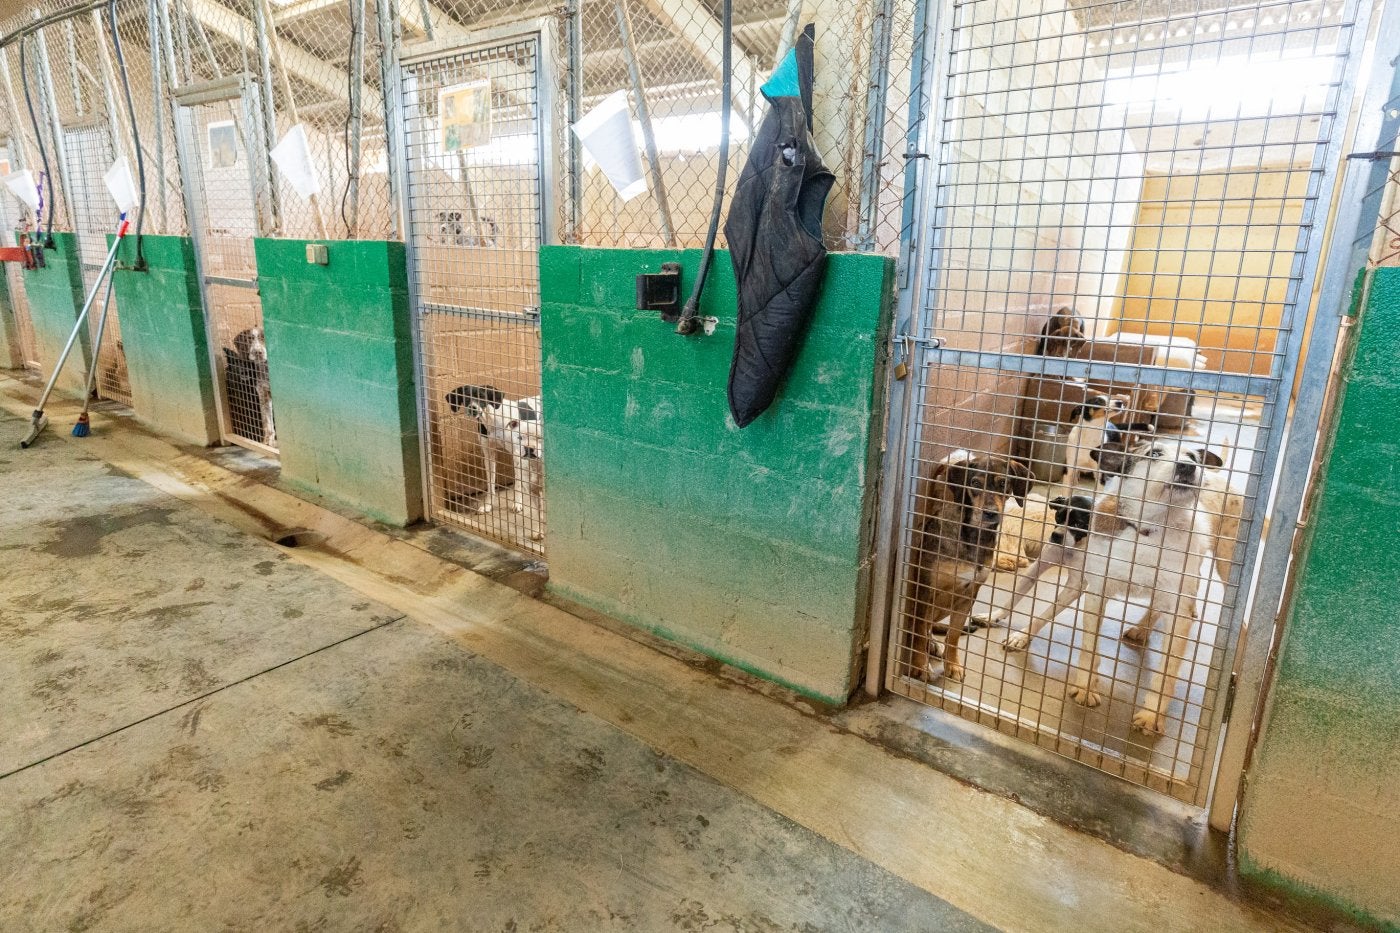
pixel 1252 608
pixel 243 88
pixel 543 31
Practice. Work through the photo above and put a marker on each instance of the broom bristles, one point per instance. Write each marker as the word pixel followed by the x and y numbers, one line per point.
pixel 83 428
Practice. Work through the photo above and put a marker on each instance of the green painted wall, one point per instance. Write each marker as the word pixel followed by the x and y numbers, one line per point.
pixel 340 360
pixel 163 333
pixel 749 545
pixel 56 295
pixel 10 355
pixel 1321 812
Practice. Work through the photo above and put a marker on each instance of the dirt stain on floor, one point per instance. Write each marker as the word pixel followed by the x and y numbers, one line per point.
pixel 82 536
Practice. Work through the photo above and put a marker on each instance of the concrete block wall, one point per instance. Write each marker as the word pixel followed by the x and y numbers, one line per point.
pixel 750 545
pixel 163 335
pixel 56 294
pixel 1321 811
pixel 340 361
pixel 10 355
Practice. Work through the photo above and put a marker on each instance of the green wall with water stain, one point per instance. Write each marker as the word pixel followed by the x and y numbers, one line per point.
pixel 340 363
pixel 750 545
pixel 10 355
pixel 56 294
pixel 1321 811
pixel 164 338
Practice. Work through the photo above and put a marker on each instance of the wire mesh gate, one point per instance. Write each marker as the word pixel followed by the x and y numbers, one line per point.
pixel 89 151
pixel 476 144
pixel 223 159
pixel 1123 226
pixel 14 281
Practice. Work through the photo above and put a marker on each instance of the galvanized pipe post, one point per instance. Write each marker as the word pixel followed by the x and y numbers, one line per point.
pixel 788 37
pixel 19 150
pixel 273 49
pixel 634 71
pixel 157 79
pixel 387 15
pixel 357 73
pixel 120 142
pixel 50 99
pixel 876 95
pixel 75 87
pixel 574 105
pixel 262 24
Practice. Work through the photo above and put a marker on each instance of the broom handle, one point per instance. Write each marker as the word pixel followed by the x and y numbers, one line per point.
pixel 97 347
pixel 82 316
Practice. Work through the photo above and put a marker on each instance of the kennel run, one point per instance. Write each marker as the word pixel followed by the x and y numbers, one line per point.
pixel 478 130
pixel 1123 212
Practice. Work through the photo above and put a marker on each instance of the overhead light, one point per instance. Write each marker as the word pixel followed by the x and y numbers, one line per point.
pixel 1229 88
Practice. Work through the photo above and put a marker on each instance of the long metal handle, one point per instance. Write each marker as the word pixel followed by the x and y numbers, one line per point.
pixel 97 345
pixel 82 318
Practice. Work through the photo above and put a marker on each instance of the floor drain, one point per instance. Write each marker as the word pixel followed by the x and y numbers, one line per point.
pixel 298 537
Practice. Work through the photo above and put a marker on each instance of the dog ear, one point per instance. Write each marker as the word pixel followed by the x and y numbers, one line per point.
pixel 454 400
pixel 1019 480
pixel 1211 458
pixel 1094 454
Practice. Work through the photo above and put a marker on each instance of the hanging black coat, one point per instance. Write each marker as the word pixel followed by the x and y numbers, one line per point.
pixel 774 229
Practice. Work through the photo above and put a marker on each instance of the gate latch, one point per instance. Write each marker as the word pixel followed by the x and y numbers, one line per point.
pixel 661 291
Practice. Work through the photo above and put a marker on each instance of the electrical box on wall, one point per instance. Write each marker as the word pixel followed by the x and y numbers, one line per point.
pixel 317 254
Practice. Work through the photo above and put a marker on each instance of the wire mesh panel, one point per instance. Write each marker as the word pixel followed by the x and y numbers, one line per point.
pixel 475 196
pixel 228 196
pixel 1126 200
pixel 89 153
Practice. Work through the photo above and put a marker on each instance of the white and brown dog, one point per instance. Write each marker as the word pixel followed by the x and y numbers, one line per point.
pixel 1147 539
pixel 1091 422
pixel 502 424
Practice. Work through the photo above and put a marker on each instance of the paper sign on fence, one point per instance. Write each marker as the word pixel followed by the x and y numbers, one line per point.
pixel 120 185
pixel 22 186
pixel 293 158
pixel 606 132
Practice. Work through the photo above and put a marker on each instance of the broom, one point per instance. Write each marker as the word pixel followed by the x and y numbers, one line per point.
pixel 84 426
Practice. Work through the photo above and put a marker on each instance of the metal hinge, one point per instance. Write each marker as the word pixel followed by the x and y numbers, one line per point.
pixel 1230 697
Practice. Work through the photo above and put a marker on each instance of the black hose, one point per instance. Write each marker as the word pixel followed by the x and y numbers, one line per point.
pixel 135 131
pixel 39 136
pixel 690 312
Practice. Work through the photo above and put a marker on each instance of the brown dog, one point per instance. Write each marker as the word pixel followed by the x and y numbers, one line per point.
pixel 1062 334
pixel 955 536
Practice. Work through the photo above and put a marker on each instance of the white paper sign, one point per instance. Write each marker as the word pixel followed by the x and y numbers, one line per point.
pixel 120 185
pixel 293 158
pixel 606 132
pixel 22 186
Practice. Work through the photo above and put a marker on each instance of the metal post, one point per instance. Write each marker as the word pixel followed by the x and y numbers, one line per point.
pixel 387 15
pixel 634 71
pixel 157 76
pixel 109 85
pixel 203 38
pixel 75 87
pixel 575 111
pixel 262 25
pixel 182 41
pixel 55 127
pixel 425 11
pixel 874 152
pixel 274 49
pixel 357 73
pixel 788 37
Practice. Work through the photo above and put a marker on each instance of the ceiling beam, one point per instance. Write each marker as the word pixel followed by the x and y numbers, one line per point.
pixel 693 23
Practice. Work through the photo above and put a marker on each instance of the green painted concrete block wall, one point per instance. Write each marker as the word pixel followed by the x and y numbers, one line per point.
pixel 340 361
pixel 163 334
pixel 750 545
pixel 55 295
pixel 1321 811
pixel 10 355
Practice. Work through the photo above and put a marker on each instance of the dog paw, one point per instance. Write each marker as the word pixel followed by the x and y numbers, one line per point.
pixel 1007 562
pixel 1016 641
pixel 1137 634
pixel 1149 722
pixel 517 508
pixel 483 508
pixel 954 672
pixel 1084 695
pixel 989 618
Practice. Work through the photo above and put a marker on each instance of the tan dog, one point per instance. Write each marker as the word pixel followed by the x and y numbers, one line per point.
pixel 1025 529
pixel 959 508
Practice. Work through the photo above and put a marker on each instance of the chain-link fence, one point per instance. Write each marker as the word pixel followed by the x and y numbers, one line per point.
pixel 666 57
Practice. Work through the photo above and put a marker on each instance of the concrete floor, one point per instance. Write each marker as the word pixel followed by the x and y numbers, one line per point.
pixel 210 732
pixel 210 736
